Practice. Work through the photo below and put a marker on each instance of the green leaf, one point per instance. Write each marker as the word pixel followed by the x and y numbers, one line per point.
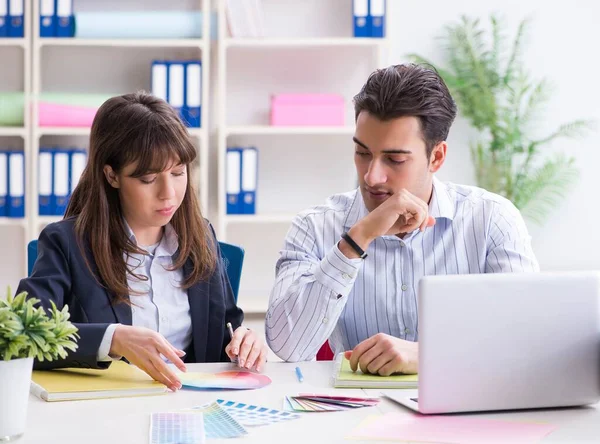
pixel 546 187
pixel 27 330
pixel 575 129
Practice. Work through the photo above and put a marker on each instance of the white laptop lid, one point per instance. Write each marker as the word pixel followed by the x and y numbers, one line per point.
pixel 508 341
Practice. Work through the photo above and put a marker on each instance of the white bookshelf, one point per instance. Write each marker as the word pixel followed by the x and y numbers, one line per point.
pixel 302 42
pixel 287 130
pixel 20 42
pixel 299 166
pixel 110 66
pixel 11 131
pixel 15 54
pixel 123 43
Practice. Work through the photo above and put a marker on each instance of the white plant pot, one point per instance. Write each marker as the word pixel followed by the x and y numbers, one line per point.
pixel 15 379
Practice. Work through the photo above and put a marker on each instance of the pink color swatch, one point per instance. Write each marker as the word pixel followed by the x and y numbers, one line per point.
pixel 51 114
pixel 307 109
pixel 450 429
pixel 233 380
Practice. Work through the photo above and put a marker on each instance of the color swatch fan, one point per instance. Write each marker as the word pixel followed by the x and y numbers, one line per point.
pixel 325 403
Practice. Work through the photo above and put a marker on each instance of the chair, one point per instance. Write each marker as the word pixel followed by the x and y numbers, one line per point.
pixel 325 353
pixel 233 259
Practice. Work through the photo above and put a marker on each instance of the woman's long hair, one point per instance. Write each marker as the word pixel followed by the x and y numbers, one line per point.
pixel 144 129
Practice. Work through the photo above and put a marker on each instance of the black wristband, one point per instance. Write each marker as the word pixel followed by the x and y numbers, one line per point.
pixel 354 245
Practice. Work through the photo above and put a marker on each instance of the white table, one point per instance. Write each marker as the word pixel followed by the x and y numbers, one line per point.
pixel 126 420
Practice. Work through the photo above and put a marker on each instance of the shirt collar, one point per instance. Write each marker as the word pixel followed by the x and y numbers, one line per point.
pixel 168 243
pixel 357 210
pixel 441 205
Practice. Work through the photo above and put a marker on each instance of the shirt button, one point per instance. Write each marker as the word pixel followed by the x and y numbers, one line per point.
pixel 346 276
pixel 407 330
pixel 404 287
pixel 164 319
pixel 325 320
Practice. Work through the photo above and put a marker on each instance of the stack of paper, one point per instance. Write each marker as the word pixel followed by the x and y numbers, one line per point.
pixel 325 403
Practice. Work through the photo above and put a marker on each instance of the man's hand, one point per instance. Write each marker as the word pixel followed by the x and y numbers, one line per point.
pixel 143 347
pixel 401 213
pixel 384 355
pixel 248 348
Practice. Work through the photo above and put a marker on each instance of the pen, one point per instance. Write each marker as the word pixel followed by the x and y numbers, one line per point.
pixel 230 328
pixel 299 374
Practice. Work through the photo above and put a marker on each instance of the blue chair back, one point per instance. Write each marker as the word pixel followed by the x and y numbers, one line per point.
pixel 233 260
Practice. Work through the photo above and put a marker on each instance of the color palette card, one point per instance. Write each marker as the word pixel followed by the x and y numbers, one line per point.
pixel 311 402
pixel 449 429
pixel 232 380
pixel 218 423
pixel 253 415
pixel 177 427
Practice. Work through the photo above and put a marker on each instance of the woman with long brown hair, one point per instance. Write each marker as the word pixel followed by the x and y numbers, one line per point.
pixel 135 261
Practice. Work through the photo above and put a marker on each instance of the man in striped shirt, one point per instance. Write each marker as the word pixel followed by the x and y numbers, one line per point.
pixel 349 269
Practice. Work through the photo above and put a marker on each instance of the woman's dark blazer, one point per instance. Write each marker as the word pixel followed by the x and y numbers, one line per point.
pixel 60 274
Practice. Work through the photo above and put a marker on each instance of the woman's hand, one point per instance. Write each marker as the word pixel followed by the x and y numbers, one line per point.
pixel 249 349
pixel 143 347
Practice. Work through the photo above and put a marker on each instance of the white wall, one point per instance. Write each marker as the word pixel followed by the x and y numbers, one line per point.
pixel 559 48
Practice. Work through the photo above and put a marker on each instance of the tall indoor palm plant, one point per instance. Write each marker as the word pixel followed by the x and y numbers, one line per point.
pixel 498 96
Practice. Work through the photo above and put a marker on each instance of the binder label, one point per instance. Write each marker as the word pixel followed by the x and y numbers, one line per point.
pixel 194 85
pixel 361 8
pixel 45 174
pixel 16 8
pixel 47 11
pixel 377 8
pixel 159 80
pixel 3 175
pixel 61 174
pixel 64 8
pixel 16 166
pixel 176 76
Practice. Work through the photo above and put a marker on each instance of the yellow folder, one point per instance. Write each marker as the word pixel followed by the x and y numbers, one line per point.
pixel 119 380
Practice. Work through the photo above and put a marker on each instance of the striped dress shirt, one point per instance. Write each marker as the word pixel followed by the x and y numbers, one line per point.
pixel 320 294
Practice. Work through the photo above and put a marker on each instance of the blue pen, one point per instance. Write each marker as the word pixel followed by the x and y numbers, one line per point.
pixel 299 374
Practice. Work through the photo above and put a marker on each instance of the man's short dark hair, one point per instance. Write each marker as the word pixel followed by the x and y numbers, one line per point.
pixel 409 90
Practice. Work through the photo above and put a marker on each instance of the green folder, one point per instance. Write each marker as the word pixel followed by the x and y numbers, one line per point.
pixel 75 99
pixel 344 377
pixel 12 108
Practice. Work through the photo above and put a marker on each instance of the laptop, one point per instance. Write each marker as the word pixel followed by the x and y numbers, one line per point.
pixel 507 341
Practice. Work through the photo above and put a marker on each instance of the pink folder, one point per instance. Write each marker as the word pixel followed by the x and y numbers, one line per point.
pixel 450 429
pixel 307 110
pixel 51 114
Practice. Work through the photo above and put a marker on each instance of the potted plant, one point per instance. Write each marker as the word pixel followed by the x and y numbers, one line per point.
pixel 500 99
pixel 27 332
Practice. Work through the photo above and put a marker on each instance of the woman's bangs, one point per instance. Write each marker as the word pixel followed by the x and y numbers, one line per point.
pixel 159 149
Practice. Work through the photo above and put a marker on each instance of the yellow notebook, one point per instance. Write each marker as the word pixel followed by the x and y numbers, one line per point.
pixel 119 380
pixel 344 377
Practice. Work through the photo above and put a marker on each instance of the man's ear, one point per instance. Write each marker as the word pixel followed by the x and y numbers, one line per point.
pixel 111 177
pixel 437 157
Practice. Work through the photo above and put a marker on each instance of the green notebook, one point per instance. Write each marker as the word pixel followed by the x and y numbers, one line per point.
pixel 344 377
